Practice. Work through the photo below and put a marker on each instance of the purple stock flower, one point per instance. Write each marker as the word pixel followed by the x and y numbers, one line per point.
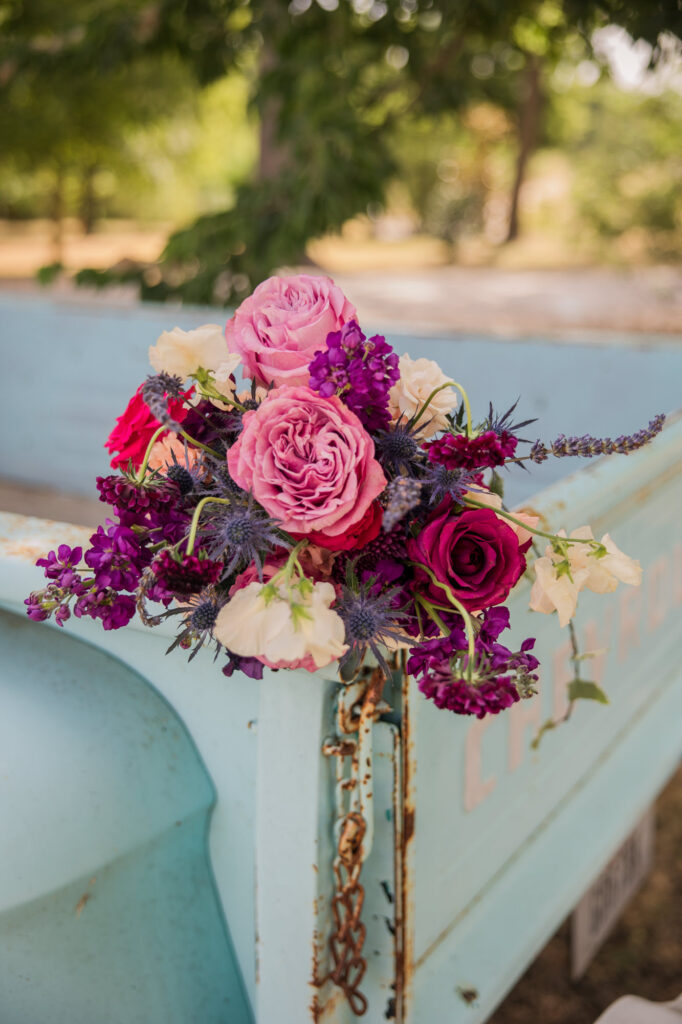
pixel 59 565
pixel 116 557
pixel 360 371
pixel 112 609
pixel 498 678
pixel 251 667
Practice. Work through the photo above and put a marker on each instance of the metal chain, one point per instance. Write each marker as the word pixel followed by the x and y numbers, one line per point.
pixel 354 829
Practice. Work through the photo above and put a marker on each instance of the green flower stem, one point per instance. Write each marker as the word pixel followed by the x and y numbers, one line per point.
pixel 207 389
pixel 140 475
pixel 198 444
pixel 459 607
pixel 531 529
pixel 192 536
pixel 465 399
pixel 292 563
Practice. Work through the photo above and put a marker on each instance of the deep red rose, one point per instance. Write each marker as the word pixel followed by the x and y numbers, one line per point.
pixel 365 530
pixel 133 431
pixel 475 553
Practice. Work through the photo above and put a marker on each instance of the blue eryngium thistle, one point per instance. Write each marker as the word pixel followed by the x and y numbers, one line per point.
pixel 398 448
pixel 440 482
pixel 243 533
pixel 588 446
pixel 369 621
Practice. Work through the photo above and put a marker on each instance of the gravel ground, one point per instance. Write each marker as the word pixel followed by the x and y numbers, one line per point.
pixel 642 956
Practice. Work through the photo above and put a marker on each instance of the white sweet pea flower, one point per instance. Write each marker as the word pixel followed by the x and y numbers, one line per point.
pixel 554 591
pixel 183 352
pixel 418 379
pixel 295 623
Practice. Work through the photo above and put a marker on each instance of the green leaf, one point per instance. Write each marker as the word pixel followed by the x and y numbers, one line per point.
pixel 545 727
pixel 583 689
pixel 497 484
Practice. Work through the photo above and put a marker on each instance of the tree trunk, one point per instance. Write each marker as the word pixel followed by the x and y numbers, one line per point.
pixel 528 123
pixel 273 154
pixel 57 217
pixel 88 200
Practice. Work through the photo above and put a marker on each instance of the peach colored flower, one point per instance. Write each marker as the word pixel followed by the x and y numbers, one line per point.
pixel 161 455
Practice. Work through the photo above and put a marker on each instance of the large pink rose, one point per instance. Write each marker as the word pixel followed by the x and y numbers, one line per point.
pixel 308 461
pixel 475 553
pixel 279 328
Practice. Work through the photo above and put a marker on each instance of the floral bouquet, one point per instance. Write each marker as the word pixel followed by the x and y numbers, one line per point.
pixel 346 501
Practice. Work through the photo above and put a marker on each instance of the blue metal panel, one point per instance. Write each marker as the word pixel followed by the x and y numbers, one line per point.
pixel 108 908
pixel 506 838
pixel 92 357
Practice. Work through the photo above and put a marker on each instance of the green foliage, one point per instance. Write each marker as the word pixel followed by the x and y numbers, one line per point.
pixel 627 152
pixel 343 97
pixel 583 689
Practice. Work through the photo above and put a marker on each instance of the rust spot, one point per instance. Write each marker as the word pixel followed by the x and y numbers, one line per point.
pixel 80 906
pixel 408 824
pixel 467 995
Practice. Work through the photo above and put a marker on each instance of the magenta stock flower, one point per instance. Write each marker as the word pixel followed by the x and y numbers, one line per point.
pixel 474 553
pixel 279 328
pixel 308 461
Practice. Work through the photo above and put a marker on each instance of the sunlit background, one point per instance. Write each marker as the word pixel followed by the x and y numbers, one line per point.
pixel 355 136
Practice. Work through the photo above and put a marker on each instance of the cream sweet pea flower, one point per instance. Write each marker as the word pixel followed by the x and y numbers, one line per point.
pixel 604 573
pixel 601 575
pixel 418 379
pixel 183 352
pixel 251 627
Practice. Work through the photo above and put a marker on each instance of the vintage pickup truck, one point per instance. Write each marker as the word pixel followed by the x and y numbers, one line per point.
pixel 168 834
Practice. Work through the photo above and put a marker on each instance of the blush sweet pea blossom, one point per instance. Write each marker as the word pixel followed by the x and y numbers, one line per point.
pixel 554 592
pixel 279 328
pixel 308 461
pixel 250 625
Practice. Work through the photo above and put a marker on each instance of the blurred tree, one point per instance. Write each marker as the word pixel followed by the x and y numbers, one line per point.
pixel 331 80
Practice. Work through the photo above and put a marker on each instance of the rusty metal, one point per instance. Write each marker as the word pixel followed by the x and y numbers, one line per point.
pixel 358 708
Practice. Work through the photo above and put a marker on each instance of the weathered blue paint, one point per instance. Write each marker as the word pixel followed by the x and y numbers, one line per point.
pixel 504 840
pixel 108 908
pixel 507 838
pixel 92 357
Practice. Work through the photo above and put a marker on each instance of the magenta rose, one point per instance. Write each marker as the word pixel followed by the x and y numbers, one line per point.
pixel 308 461
pixel 279 328
pixel 475 553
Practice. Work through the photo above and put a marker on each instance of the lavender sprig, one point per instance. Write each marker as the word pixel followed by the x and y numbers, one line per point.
pixel 156 391
pixel 588 446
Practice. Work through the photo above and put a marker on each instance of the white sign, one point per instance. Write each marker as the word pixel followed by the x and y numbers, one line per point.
pixel 606 899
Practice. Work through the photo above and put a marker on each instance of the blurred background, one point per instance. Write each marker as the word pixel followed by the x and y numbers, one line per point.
pixel 191 149
pixel 484 172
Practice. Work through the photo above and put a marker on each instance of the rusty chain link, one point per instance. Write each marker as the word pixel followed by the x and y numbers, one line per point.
pixel 354 835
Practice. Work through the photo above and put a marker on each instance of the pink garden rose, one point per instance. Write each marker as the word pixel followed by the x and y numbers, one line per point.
pixel 475 553
pixel 279 328
pixel 308 461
